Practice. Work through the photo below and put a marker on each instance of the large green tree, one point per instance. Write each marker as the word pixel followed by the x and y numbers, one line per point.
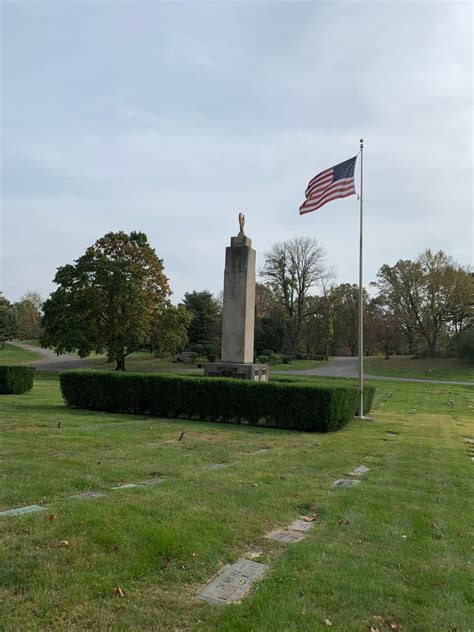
pixel 8 328
pixel 108 300
pixel 28 316
pixel 206 319
pixel 430 296
pixel 169 332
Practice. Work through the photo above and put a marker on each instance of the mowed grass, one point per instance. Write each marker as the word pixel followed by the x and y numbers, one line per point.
pixel 428 368
pixel 392 551
pixel 14 355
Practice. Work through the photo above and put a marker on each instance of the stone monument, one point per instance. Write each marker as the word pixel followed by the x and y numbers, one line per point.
pixel 238 313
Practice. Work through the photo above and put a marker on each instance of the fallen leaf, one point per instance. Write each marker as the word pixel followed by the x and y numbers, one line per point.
pixel 394 626
pixel 327 622
pixel 118 592
pixel 283 478
pixel 404 537
pixel 51 517
pixel 374 630
pixel 63 544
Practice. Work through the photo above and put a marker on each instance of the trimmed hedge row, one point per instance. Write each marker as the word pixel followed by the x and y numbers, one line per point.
pixel 16 379
pixel 297 406
pixel 369 390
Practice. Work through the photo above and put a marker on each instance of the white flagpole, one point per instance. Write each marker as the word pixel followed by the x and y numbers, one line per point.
pixel 361 289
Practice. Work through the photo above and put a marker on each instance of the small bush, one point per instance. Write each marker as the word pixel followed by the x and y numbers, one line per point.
pixel 16 379
pixel 297 405
pixel 262 359
pixel 268 352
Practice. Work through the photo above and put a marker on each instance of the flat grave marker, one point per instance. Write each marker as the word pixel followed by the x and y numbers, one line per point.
pixel 301 525
pixel 125 486
pixel 17 511
pixel 285 536
pixel 345 482
pixel 233 582
pixel 215 466
pixel 360 469
pixel 86 495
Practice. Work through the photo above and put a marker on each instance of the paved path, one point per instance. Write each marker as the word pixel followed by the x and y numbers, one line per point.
pixel 338 367
pixel 348 367
pixel 51 361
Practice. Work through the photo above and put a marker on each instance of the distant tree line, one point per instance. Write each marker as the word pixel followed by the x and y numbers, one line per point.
pixel 115 299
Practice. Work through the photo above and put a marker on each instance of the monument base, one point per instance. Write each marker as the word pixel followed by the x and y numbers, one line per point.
pixel 240 371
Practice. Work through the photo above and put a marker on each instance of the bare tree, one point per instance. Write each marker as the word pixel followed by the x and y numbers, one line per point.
pixel 292 268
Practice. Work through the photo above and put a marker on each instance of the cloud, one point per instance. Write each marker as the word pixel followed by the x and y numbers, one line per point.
pixel 235 109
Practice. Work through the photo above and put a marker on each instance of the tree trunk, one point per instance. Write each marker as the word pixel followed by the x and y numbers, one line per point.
pixel 120 359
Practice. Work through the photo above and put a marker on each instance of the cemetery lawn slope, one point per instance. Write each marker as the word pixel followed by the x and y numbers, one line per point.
pixel 11 355
pixel 391 551
pixel 426 368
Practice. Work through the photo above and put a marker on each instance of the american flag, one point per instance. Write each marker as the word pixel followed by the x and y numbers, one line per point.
pixel 333 183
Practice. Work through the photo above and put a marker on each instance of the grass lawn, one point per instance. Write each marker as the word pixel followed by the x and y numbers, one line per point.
pixel 14 355
pixel 141 360
pixel 434 368
pixel 393 550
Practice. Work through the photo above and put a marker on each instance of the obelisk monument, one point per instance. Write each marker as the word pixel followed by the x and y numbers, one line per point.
pixel 238 326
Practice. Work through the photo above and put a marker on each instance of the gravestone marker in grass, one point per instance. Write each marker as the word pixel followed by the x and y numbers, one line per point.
pixel 360 469
pixel 22 510
pixel 285 536
pixel 125 486
pixel 215 466
pixel 86 495
pixel 301 525
pixel 345 482
pixel 233 582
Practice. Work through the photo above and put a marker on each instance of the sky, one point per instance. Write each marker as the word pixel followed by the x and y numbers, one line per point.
pixel 172 117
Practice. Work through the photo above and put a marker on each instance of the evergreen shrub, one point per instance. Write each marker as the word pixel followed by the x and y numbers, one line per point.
pixel 16 379
pixel 297 405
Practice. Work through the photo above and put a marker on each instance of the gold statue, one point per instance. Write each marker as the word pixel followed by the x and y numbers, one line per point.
pixel 241 223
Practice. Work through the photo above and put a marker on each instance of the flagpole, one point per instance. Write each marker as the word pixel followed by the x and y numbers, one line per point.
pixel 361 288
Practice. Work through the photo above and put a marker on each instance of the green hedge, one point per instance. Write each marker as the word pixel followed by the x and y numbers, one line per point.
pixel 298 405
pixel 369 390
pixel 16 379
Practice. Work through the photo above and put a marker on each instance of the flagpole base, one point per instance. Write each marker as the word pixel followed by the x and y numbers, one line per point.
pixel 363 418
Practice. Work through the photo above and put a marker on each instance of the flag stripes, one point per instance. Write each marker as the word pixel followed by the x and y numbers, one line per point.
pixel 330 184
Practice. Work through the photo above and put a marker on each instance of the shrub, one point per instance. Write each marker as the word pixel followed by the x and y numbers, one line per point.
pixel 297 405
pixel 262 359
pixel 268 352
pixel 16 379
pixel 274 359
pixel 464 344
pixel 369 390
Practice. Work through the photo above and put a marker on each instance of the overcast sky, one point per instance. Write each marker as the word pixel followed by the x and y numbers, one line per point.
pixel 170 118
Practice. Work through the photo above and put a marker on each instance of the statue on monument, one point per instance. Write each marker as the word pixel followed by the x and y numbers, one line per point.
pixel 241 223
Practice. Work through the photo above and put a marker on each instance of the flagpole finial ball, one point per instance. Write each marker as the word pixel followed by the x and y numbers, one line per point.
pixel 361 140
